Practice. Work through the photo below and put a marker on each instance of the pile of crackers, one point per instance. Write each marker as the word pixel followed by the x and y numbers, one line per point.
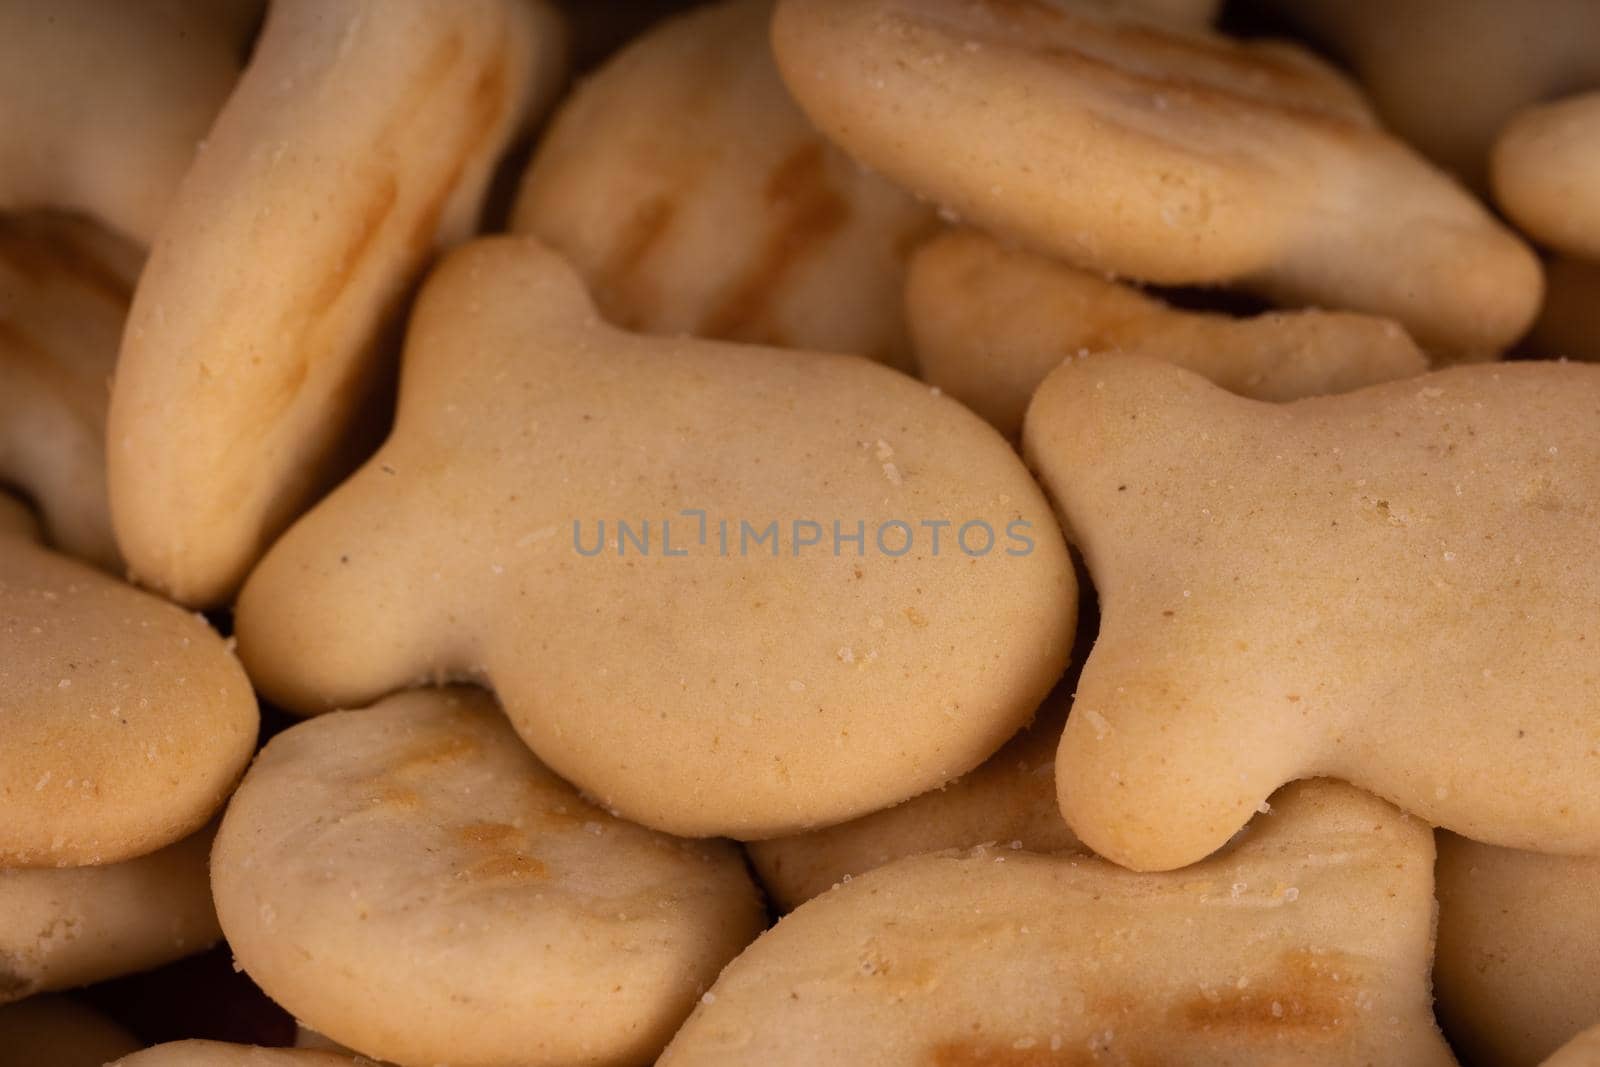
pixel 876 532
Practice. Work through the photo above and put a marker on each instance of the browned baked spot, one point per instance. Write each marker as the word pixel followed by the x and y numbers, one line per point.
pixel 638 236
pixel 506 866
pixel 625 294
pixel 1306 994
pixel 432 752
pixel 365 223
pixel 484 107
pixel 486 833
pixel 1163 48
pixel 395 797
pixel 807 211
pixel 1142 88
pixel 1142 61
pixel 501 859
pixel 368 217
pixel 436 70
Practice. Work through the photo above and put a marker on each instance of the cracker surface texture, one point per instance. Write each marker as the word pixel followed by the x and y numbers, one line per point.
pixel 412 883
pixel 1396 586
pixel 989 323
pixel 1160 155
pixel 1307 941
pixel 124 721
pixel 694 197
pixel 750 676
pixel 359 141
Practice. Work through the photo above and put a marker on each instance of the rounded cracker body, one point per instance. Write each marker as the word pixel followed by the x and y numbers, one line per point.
pixel 1447 74
pixel 694 197
pixel 106 103
pixel 714 689
pixel 1306 941
pixel 989 323
pixel 412 883
pixel 1008 801
pixel 1518 963
pixel 124 721
pixel 72 926
pixel 1545 169
pixel 1159 155
pixel 361 138
pixel 1344 585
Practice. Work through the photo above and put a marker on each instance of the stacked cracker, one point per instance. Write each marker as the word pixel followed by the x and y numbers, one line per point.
pixel 646 578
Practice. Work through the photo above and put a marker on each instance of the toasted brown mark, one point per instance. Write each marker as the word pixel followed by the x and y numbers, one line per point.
pixel 485 106
pixel 565 815
pixel 1204 94
pixel 379 208
pixel 1307 993
pixel 1165 48
pixel 620 286
pixel 512 866
pixel 431 752
pixel 312 343
pixel 501 858
pixel 486 833
pixel 807 213
pixel 1262 83
pixel 396 797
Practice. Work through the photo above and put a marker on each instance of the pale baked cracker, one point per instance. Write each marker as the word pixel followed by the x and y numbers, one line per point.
pixel 1161 155
pixel 990 322
pixel 694 197
pixel 412 883
pixel 72 926
pixel 1396 586
pixel 715 685
pixel 1306 941
pixel 1545 169
pixel 1008 801
pixel 124 721
pixel 359 141
pixel 1447 74
pixel 1518 967
pixel 106 103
